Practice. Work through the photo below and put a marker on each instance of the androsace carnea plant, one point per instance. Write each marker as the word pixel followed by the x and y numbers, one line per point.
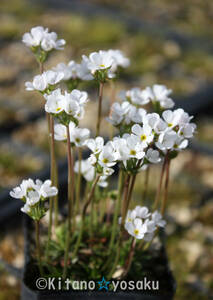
pixel 144 137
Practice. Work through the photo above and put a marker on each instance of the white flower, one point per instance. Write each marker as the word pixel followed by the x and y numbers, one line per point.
pixel 80 97
pixel 32 198
pixel 92 159
pixel 50 41
pixel 99 61
pixel 119 60
pixel 142 212
pixel 26 208
pixel 39 36
pixel 187 131
pixel 108 171
pixel 41 82
pixel 79 136
pixel 171 118
pixel 160 93
pixel 95 145
pixel 45 188
pixel 135 149
pixel 21 191
pixel 137 229
pixel 102 181
pixel 55 102
pixel 130 216
pixel 35 36
pixel 60 132
pixel 166 140
pixel 180 143
pixel 137 96
pixel 144 133
pixel 153 156
pixel 87 170
pixel 71 106
pixel 107 157
pixel 121 148
pixel 117 113
pixel 83 71
pixel 157 218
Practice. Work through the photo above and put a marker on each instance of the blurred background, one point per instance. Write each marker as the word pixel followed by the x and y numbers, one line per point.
pixel 168 42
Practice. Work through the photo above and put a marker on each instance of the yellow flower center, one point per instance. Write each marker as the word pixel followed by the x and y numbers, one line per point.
pixel 170 124
pixel 132 152
pixel 102 66
pixel 77 140
pixel 59 108
pixel 129 220
pixel 143 137
pixel 136 231
pixel 105 160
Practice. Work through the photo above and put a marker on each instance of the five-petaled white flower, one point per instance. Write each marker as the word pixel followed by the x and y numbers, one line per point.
pixel 136 228
pixel 99 61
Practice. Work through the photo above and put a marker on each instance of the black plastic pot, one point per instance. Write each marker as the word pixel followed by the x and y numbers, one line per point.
pixel 162 268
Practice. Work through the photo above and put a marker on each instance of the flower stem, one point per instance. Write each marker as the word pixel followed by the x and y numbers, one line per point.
pixel 100 97
pixel 38 248
pixel 89 199
pixel 132 183
pixel 50 122
pixel 118 202
pixel 125 199
pixel 78 186
pixel 130 258
pixel 163 207
pixel 144 195
pixel 70 201
pixel 157 196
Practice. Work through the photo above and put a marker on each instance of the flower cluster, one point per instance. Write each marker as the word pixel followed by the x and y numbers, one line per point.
pixel 169 132
pixel 67 104
pixel 78 136
pixel 44 82
pixel 104 64
pixel 41 37
pixel 33 194
pixel 142 224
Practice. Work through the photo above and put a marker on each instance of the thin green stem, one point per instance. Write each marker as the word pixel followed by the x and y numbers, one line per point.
pixel 89 200
pixel 38 248
pixel 130 258
pixel 50 122
pixel 146 183
pixel 165 198
pixel 125 199
pixel 78 186
pixel 117 206
pixel 157 196
pixel 100 98
pixel 70 183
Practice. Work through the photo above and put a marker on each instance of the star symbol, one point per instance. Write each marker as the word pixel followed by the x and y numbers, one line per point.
pixel 103 284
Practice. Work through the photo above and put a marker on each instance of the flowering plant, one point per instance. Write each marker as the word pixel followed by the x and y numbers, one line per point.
pixel 143 137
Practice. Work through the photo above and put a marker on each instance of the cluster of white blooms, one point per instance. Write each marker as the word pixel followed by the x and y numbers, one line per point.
pixel 78 136
pixel 44 81
pixel 169 132
pixel 102 159
pixel 130 111
pixel 41 37
pixel 106 60
pixel 70 103
pixel 88 172
pixel 32 192
pixel 73 70
pixel 156 94
pixel 142 224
